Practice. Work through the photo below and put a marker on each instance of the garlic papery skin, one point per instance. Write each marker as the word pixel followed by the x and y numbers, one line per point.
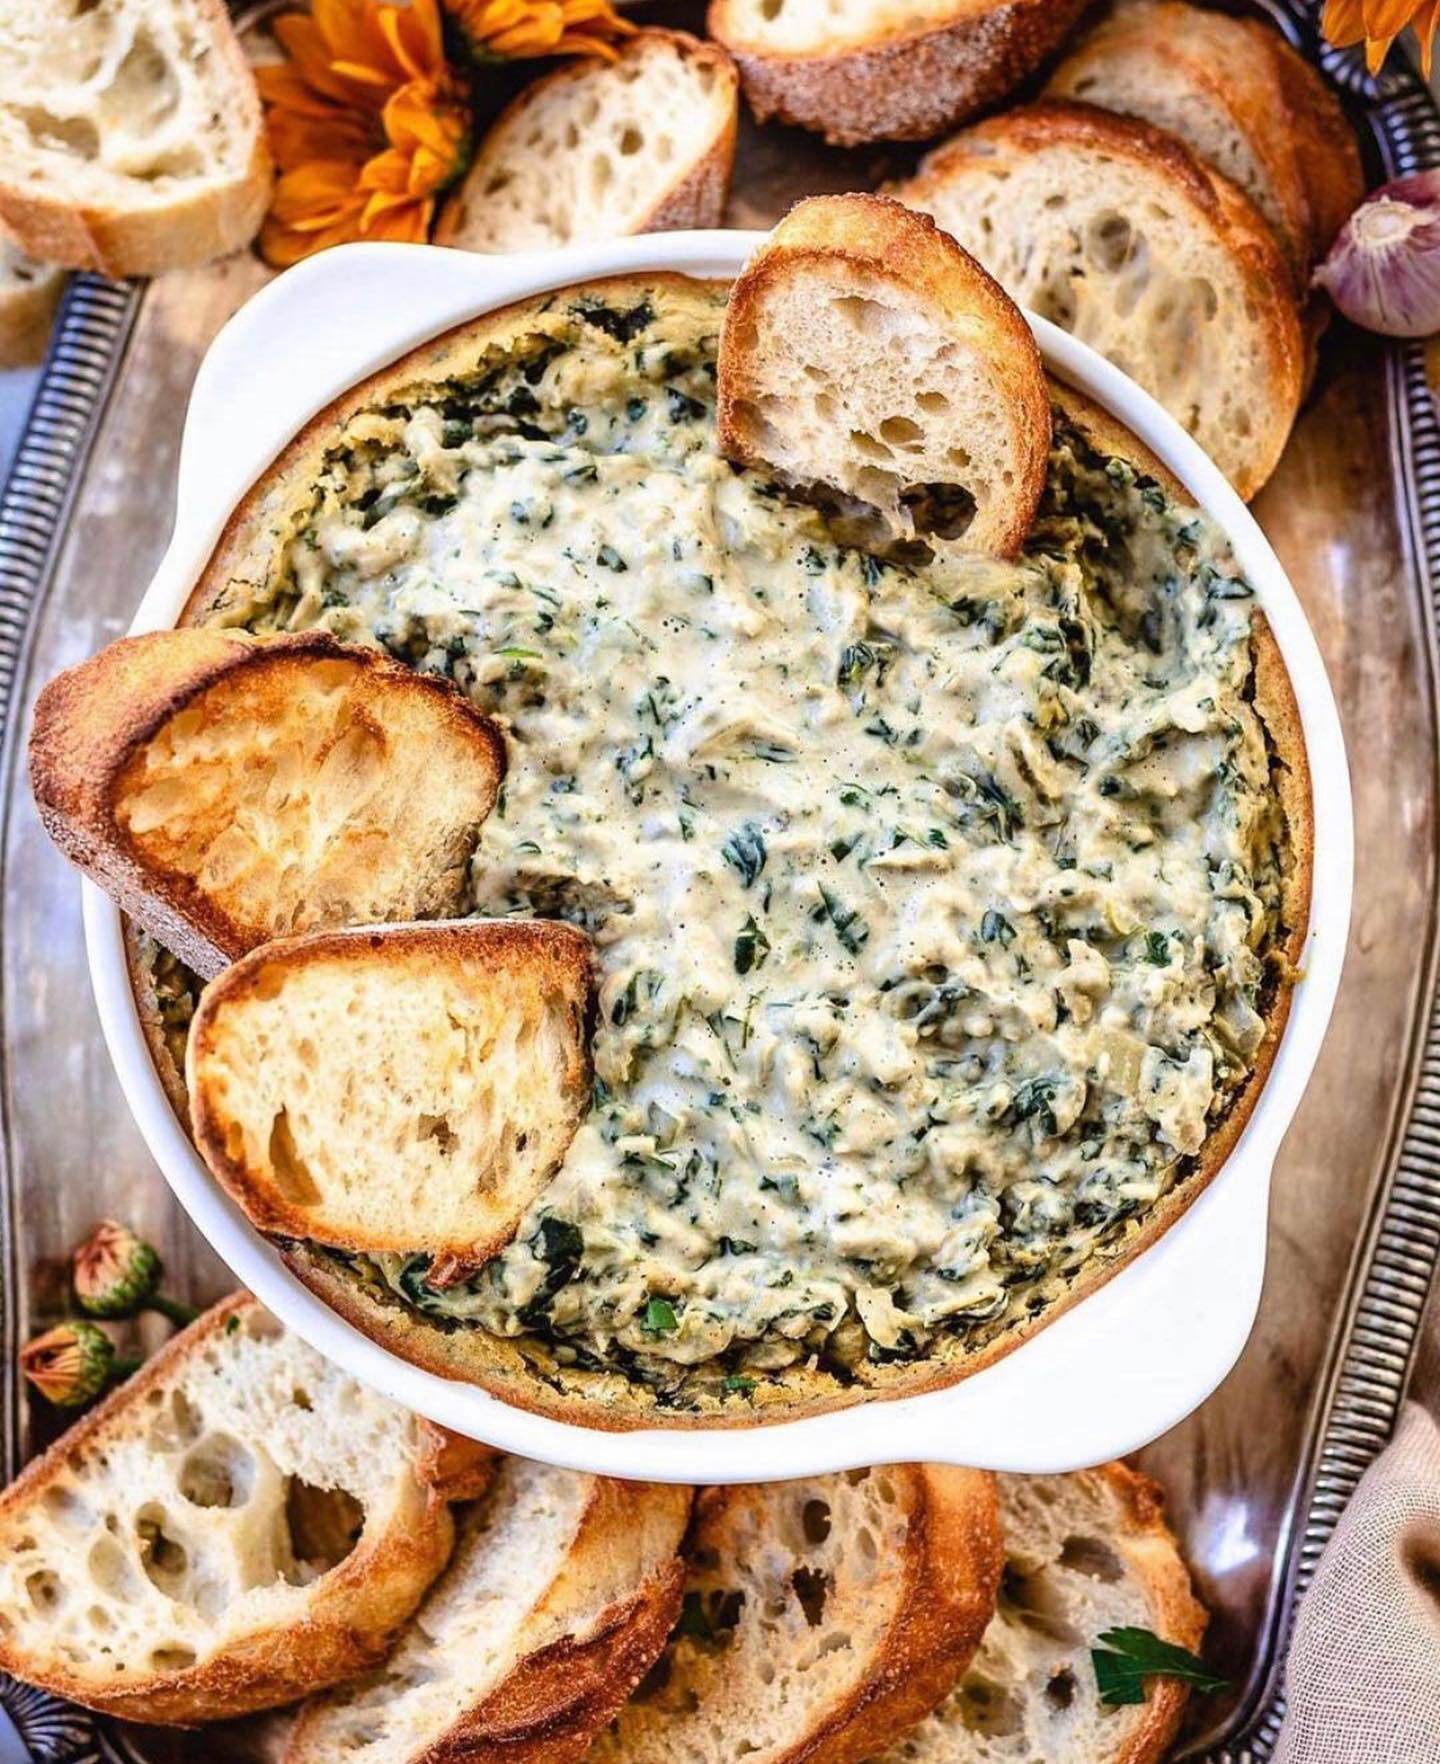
pixel 1383 271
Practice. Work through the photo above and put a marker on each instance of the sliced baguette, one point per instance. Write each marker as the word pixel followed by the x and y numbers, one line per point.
pixel 131 138
pixel 228 791
pixel 864 351
pixel 237 1525
pixel 1241 99
pixel 400 1089
pixel 29 295
pixel 1115 231
pixel 559 1597
pixel 1083 1554
pixel 643 144
pixel 1325 144
pixel 882 70
pixel 822 1618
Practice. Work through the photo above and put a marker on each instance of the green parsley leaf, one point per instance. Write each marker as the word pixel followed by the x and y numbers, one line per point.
pixel 735 1382
pixel 1130 1655
pixel 660 1317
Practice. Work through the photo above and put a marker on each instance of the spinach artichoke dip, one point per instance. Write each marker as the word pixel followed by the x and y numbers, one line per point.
pixel 938 905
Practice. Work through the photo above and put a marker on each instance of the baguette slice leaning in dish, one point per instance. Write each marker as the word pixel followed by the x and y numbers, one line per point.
pixel 131 139
pixel 560 1595
pixel 822 1618
pixel 1115 231
pixel 643 144
pixel 226 791
pixel 865 352
pixel 1083 1554
pixel 1241 99
pixel 239 1524
pixel 29 294
pixel 875 70
pixel 392 1089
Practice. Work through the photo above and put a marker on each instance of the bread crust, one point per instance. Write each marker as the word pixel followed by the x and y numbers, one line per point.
pixel 27 311
pixel 1219 206
pixel 520 1370
pixel 1275 100
pixel 458 1468
pixel 877 236
pixel 1326 148
pixel 903 87
pixel 191 229
pixel 1153 1554
pixel 555 955
pixel 92 722
pixel 935 1589
pixel 554 1700
pixel 696 197
pixel 1218 58
pixel 1122 1511
pixel 355 1615
pixel 954 1555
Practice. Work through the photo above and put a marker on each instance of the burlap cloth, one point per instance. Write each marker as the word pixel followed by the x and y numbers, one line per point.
pixel 1363 1672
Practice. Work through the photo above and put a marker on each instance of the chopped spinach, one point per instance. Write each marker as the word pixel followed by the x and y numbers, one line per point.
pixel 744 851
pixel 850 928
pixel 751 947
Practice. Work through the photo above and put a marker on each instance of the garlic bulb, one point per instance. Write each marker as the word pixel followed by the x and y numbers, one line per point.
pixel 1383 271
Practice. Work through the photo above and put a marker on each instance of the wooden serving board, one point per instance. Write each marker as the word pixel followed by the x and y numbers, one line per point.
pixel 1256 1476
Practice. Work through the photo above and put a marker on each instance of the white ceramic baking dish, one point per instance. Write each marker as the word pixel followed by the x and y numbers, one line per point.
pixel 1120 1368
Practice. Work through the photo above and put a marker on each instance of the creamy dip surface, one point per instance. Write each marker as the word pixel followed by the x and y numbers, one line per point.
pixel 932 903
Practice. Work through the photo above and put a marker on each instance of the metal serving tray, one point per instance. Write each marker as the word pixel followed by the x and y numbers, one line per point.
pixel 1258 1476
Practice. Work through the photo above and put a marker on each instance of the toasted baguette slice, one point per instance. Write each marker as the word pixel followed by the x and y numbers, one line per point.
pixel 881 70
pixel 1326 144
pixel 386 1090
pixel 131 138
pixel 643 144
pixel 29 294
pixel 864 351
pixel 822 1618
pixel 559 1597
pixel 1115 231
pixel 226 791
pixel 1241 99
pixel 1083 1554
pixel 237 1525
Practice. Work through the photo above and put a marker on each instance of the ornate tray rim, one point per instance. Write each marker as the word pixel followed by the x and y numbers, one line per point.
pixel 1377 1329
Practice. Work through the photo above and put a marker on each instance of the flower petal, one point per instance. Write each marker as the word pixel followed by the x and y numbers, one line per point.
pixel 1387 18
pixel 414 37
pixel 521 28
pixel 366 120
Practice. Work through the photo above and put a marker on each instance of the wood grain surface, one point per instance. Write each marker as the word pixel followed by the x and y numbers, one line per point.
pixel 1231 1468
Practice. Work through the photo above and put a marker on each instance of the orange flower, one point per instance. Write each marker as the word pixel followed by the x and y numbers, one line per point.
pixel 1377 23
pixel 368 124
pixel 495 30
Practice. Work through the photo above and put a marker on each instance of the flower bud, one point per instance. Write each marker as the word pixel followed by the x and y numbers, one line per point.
pixel 115 1273
pixel 69 1364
